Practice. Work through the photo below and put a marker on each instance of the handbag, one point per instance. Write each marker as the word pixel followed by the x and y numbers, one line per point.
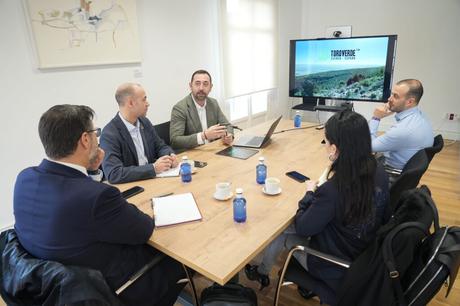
pixel 229 295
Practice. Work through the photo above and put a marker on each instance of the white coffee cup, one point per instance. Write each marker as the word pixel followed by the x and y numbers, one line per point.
pixel 222 190
pixel 272 185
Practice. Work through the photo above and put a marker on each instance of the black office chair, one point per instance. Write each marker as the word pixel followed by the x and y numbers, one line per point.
pixel 366 282
pixel 162 130
pixel 409 178
pixel 438 144
pixel 67 285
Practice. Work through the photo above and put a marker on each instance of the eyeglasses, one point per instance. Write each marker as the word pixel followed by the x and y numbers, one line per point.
pixel 97 130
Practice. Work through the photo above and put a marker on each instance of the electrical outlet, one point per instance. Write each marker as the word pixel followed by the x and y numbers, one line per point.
pixel 451 116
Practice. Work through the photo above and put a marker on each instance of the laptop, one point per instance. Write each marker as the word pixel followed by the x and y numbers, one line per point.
pixel 256 141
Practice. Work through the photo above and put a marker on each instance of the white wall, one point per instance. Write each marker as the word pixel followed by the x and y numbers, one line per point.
pixel 428 46
pixel 290 27
pixel 177 37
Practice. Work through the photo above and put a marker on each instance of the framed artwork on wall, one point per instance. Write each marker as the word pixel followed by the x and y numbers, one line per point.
pixel 70 33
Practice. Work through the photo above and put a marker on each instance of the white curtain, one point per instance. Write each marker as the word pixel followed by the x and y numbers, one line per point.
pixel 249 39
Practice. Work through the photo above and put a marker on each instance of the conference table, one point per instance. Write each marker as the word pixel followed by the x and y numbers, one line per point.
pixel 216 246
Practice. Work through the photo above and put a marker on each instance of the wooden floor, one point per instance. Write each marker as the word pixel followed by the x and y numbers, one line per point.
pixel 443 178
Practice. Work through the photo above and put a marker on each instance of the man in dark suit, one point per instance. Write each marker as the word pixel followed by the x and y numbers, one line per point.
pixel 134 151
pixel 63 215
pixel 197 118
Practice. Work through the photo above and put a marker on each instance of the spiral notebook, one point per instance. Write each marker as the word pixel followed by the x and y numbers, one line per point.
pixel 175 209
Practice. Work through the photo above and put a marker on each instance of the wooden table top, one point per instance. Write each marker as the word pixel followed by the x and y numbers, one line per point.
pixel 217 247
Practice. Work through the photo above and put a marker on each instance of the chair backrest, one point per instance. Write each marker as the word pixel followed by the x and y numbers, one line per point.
pixel 409 178
pixel 438 144
pixel 27 280
pixel 162 130
pixel 368 280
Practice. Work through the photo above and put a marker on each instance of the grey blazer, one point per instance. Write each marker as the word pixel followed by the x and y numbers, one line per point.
pixel 185 122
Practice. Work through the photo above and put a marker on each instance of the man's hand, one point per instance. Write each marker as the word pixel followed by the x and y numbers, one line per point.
pixel 382 111
pixel 96 162
pixel 215 131
pixel 311 185
pixel 227 139
pixel 163 163
pixel 175 161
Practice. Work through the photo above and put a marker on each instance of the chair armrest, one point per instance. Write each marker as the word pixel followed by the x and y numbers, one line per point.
pixel 330 258
pixel 391 170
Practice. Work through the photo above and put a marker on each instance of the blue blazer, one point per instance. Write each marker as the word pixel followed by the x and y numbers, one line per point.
pixel 63 215
pixel 120 163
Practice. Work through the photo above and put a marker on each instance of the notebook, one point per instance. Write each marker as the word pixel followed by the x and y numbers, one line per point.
pixel 174 209
pixel 170 173
pixel 257 141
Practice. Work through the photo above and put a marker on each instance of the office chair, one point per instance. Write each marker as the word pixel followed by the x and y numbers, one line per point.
pixel 409 178
pixel 438 144
pixel 367 281
pixel 162 130
pixel 61 280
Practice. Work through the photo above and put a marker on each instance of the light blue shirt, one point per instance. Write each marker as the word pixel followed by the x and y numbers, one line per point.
pixel 409 134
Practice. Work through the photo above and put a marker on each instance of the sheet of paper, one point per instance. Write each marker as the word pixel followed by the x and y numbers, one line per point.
pixel 170 173
pixel 175 209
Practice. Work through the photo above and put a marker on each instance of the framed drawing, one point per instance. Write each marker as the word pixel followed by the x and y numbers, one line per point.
pixel 79 32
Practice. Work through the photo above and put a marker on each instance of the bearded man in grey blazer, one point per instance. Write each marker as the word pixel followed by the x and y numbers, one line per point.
pixel 198 119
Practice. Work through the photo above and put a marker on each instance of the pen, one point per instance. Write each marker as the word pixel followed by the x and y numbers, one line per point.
pixel 164 195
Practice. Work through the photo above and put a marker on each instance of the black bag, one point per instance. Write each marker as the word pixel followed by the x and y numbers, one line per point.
pixel 436 260
pixel 228 295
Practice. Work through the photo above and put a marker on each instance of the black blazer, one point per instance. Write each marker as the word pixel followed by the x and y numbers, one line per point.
pixel 120 163
pixel 63 215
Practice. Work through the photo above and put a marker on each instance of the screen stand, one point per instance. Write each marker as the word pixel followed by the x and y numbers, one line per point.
pixel 334 108
pixel 309 104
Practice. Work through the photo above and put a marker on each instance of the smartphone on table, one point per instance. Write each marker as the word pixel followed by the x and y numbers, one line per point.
pixel 200 164
pixel 297 176
pixel 131 192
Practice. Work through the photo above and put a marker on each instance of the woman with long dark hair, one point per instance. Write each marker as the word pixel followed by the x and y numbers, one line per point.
pixel 341 213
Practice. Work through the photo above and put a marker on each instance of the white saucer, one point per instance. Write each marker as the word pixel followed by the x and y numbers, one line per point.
pixel 229 196
pixel 278 192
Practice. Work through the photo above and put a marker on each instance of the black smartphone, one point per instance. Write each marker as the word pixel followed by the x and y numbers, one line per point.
pixel 200 164
pixel 132 191
pixel 297 176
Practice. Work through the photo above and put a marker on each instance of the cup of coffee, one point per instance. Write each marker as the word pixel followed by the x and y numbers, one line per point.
pixel 272 185
pixel 223 190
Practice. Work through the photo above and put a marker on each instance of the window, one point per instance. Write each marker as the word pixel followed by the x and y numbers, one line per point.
pixel 249 44
pixel 251 105
pixel 249 41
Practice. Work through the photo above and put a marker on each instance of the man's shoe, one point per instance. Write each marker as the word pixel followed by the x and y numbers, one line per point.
pixel 254 275
pixel 305 293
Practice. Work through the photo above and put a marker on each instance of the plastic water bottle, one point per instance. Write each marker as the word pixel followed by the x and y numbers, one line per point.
pixel 185 170
pixel 239 206
pixel 261 171
pixel 297 119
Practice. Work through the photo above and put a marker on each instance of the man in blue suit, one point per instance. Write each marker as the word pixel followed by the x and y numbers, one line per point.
pixel 134 151
pixel 63 215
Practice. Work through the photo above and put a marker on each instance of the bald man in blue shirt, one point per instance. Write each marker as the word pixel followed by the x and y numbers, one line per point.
pixel 412 130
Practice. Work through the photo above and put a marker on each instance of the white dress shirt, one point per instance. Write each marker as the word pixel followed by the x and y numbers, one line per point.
pixel 135 132
pixel 204 122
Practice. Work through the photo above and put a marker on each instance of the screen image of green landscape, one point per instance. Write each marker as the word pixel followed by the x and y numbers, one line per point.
pixel 350 68
pixel 356 83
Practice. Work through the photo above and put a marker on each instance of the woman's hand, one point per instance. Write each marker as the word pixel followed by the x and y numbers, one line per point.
pixel 311 185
